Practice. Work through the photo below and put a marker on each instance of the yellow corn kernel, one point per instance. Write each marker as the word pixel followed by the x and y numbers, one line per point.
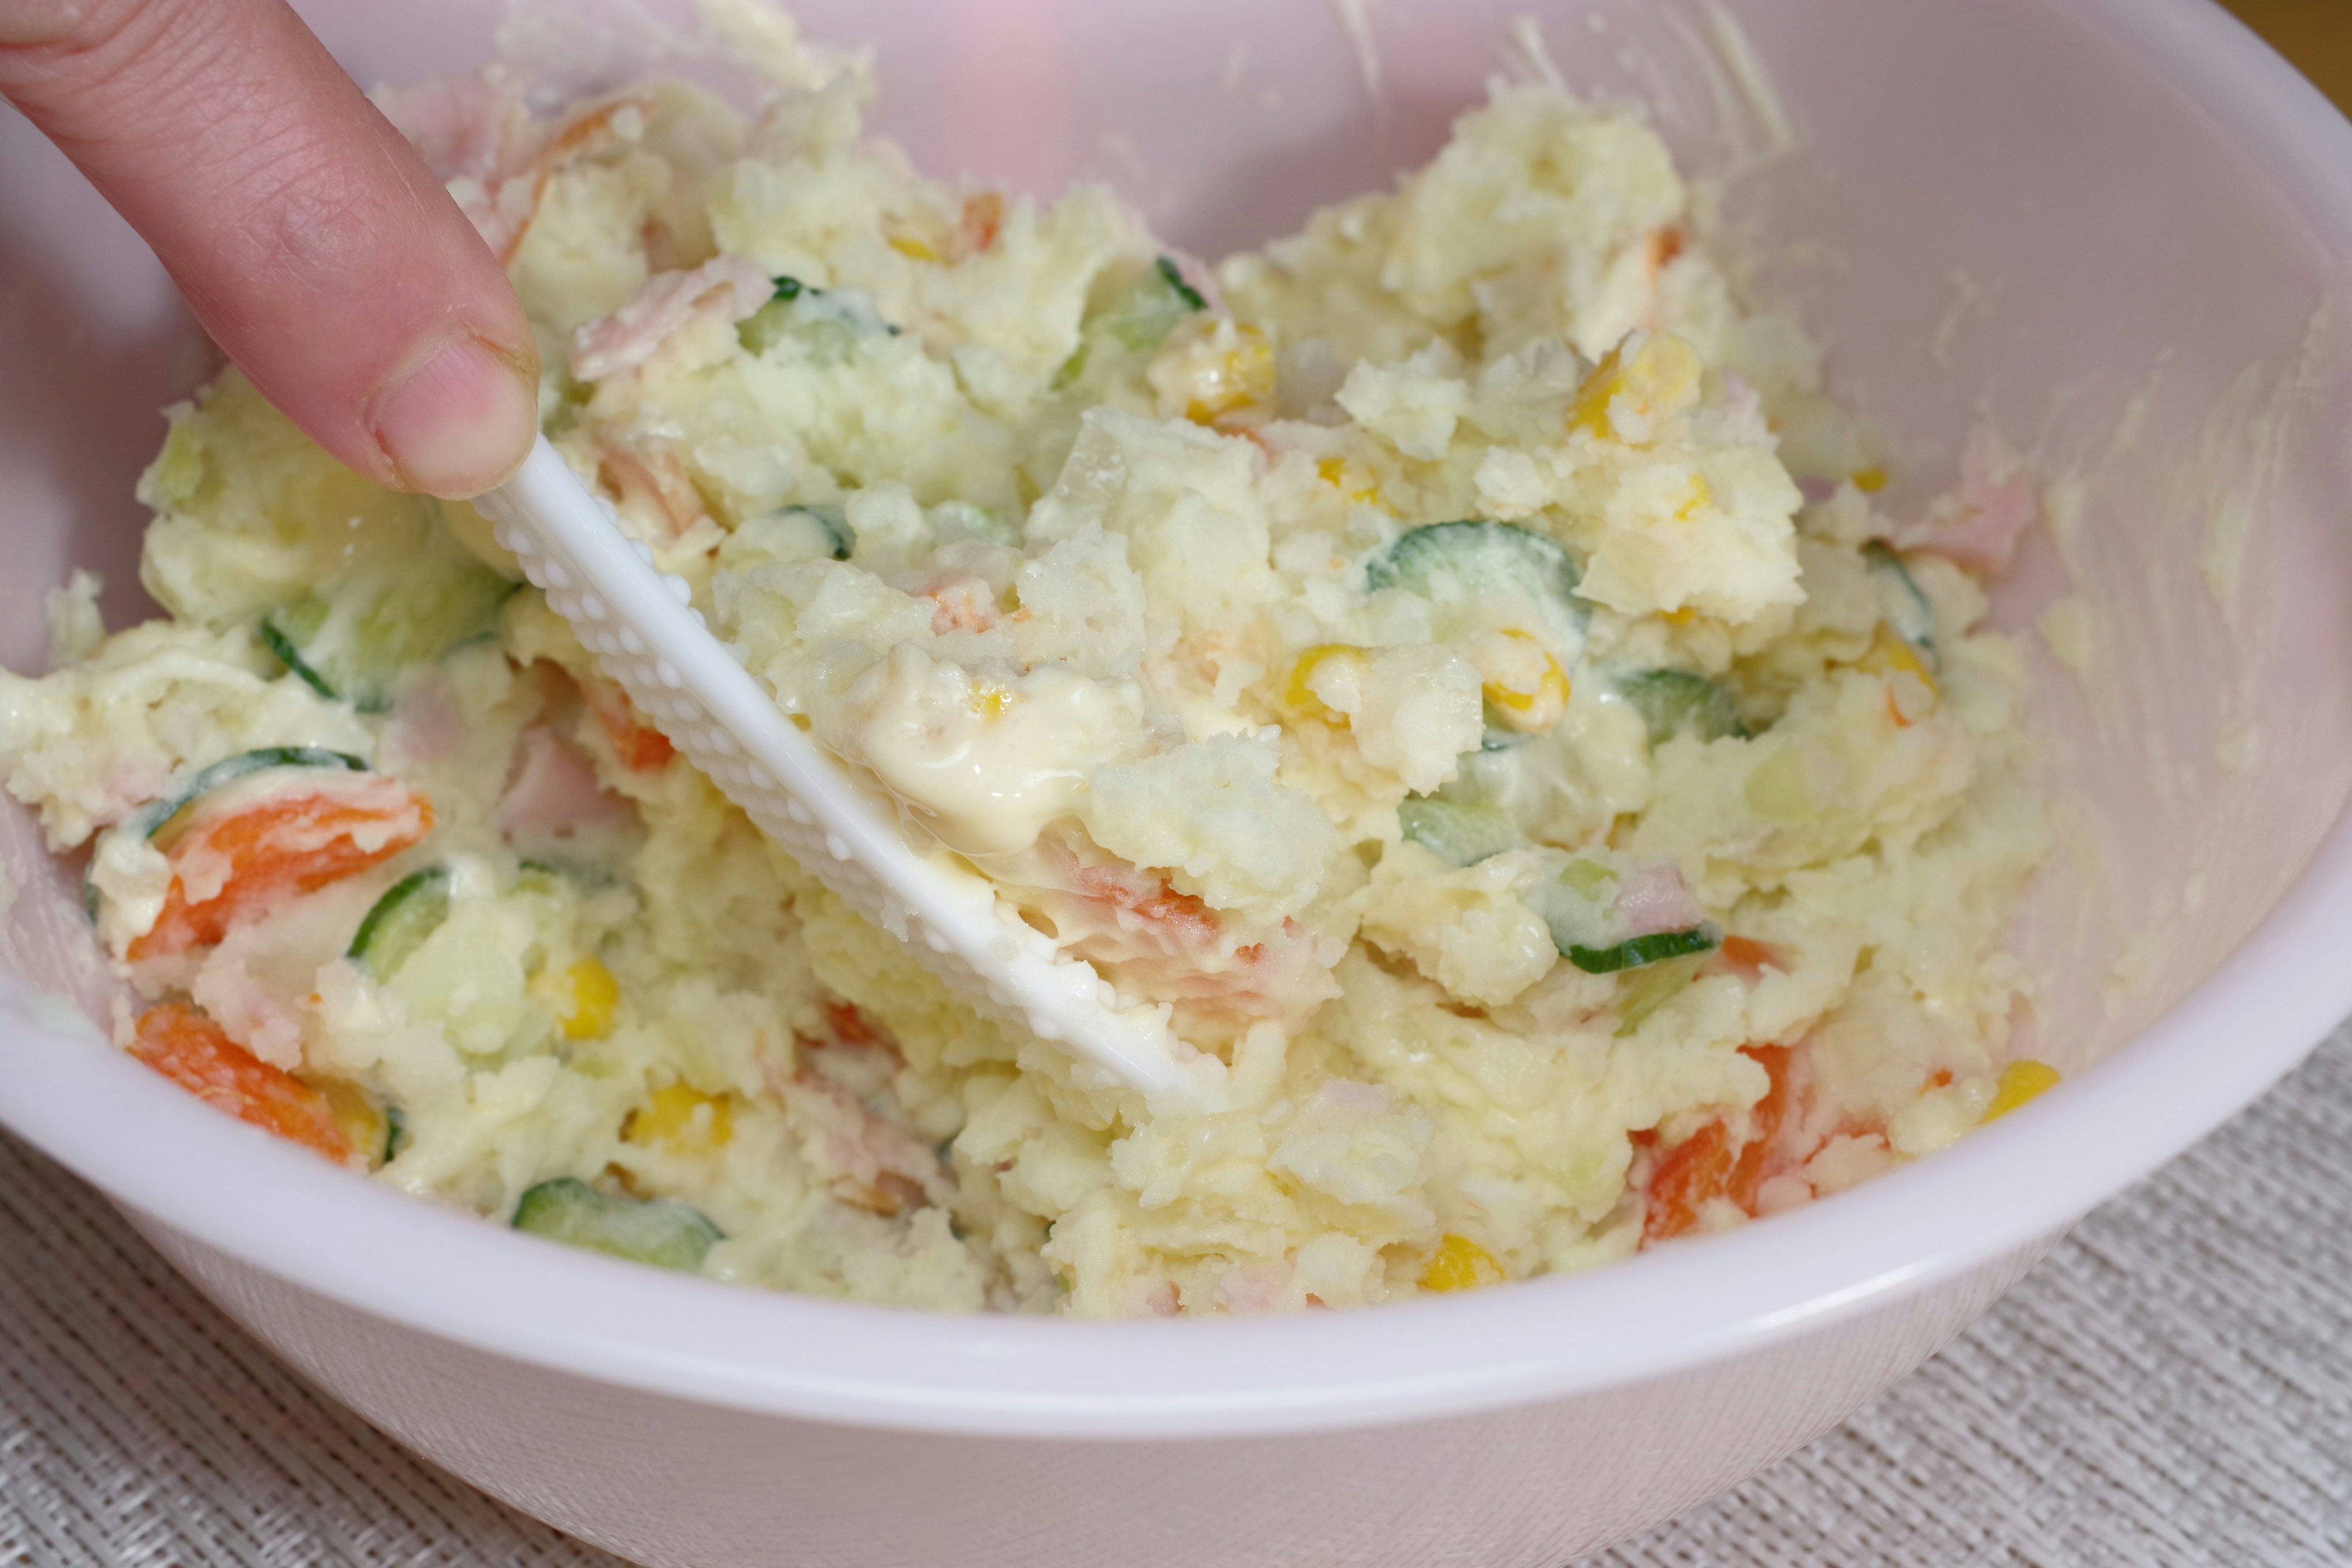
pixel 913 250
pixel 989 700
pixel 682 1120
pixel 1334 472
pixel 585 997
pixel 1661 378
pixel 1681 617
pixel 1539 706
pixel 1460 1264
pixel 1244 376
pixel 1870 480
pixel 2020 1081
pixel 1890 652
pixel 1700 497
pixel 1300 693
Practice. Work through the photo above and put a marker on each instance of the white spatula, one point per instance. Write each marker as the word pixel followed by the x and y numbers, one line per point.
pixel 642 629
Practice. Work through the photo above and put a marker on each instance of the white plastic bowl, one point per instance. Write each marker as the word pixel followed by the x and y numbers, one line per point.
pixel 2116 227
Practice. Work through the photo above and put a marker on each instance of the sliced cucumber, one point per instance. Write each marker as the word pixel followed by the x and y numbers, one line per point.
pixel 830 320
pixel 1141 319
pixel 1905 607
pixel 1460 563
pixel 957 519
pixel 395 1133
pixel 163 819
pixel 1456 832
pixel 828 527
pixel 1635 952
pixel 765 327
pixel 405 601
pixel 663 1233
pixel 1580 908
pixel 1647 990
pixel 1678 702
pixel 410 911
pixel 1138 321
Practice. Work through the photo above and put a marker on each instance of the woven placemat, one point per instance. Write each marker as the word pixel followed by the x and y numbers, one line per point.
pixel 2173 1386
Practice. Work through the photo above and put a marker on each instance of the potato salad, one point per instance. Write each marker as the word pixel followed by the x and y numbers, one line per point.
pixel 1457 660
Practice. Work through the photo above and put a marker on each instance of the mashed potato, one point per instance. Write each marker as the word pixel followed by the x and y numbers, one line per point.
pixel 1409 653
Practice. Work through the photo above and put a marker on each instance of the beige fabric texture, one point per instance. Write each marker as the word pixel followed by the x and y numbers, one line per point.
pixel 2172 1386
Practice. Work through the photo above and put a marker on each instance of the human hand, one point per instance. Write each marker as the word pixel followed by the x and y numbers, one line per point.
pixel 308 236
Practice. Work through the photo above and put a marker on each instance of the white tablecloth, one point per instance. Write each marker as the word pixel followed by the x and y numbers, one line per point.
pixel 2173 1386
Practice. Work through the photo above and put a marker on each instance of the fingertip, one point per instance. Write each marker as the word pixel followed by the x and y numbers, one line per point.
pixel 460 421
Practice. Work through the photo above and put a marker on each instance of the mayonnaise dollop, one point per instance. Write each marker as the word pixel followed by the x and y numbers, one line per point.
pixel 987 764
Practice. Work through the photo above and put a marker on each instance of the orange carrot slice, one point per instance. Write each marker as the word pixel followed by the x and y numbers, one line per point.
pixel 196 1054
pixel 1748 958
pixel 248 864
pixel 1713 1163
pixel 640 747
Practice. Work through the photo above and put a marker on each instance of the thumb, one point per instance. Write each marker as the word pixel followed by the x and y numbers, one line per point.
pixel 308 237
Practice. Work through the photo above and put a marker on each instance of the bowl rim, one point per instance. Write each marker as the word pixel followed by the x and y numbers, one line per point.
pixel 261 1203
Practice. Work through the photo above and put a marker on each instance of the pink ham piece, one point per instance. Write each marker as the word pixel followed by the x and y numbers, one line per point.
pixel 553 795
pixel 726 287
pixel 658 501
pixel 1261 1286
pixel 865 1161
pixel 426 726
pixel 460 125
pixel 1976 526
pixel 1153 941
pixel 1652 897
pixel 477 136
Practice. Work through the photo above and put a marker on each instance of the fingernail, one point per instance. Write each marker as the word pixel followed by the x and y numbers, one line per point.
pixel 459 423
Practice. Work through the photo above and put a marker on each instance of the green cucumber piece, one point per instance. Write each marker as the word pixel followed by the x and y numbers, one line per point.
pixel 829 319
pixel 410 911
pixel 1905 607
pixel 1634 952
pixel 1138 321
pixel 1172 277
pixel 1644 991
pixel 957 519
pixel 661 1232
pixel 1678 702
pixel 161 819
pixel 829 527
pixel 395 1133
pixel 1464 562
pixel 1580 907
pixel 404 602
pixel 1457 832
pixel 763 328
